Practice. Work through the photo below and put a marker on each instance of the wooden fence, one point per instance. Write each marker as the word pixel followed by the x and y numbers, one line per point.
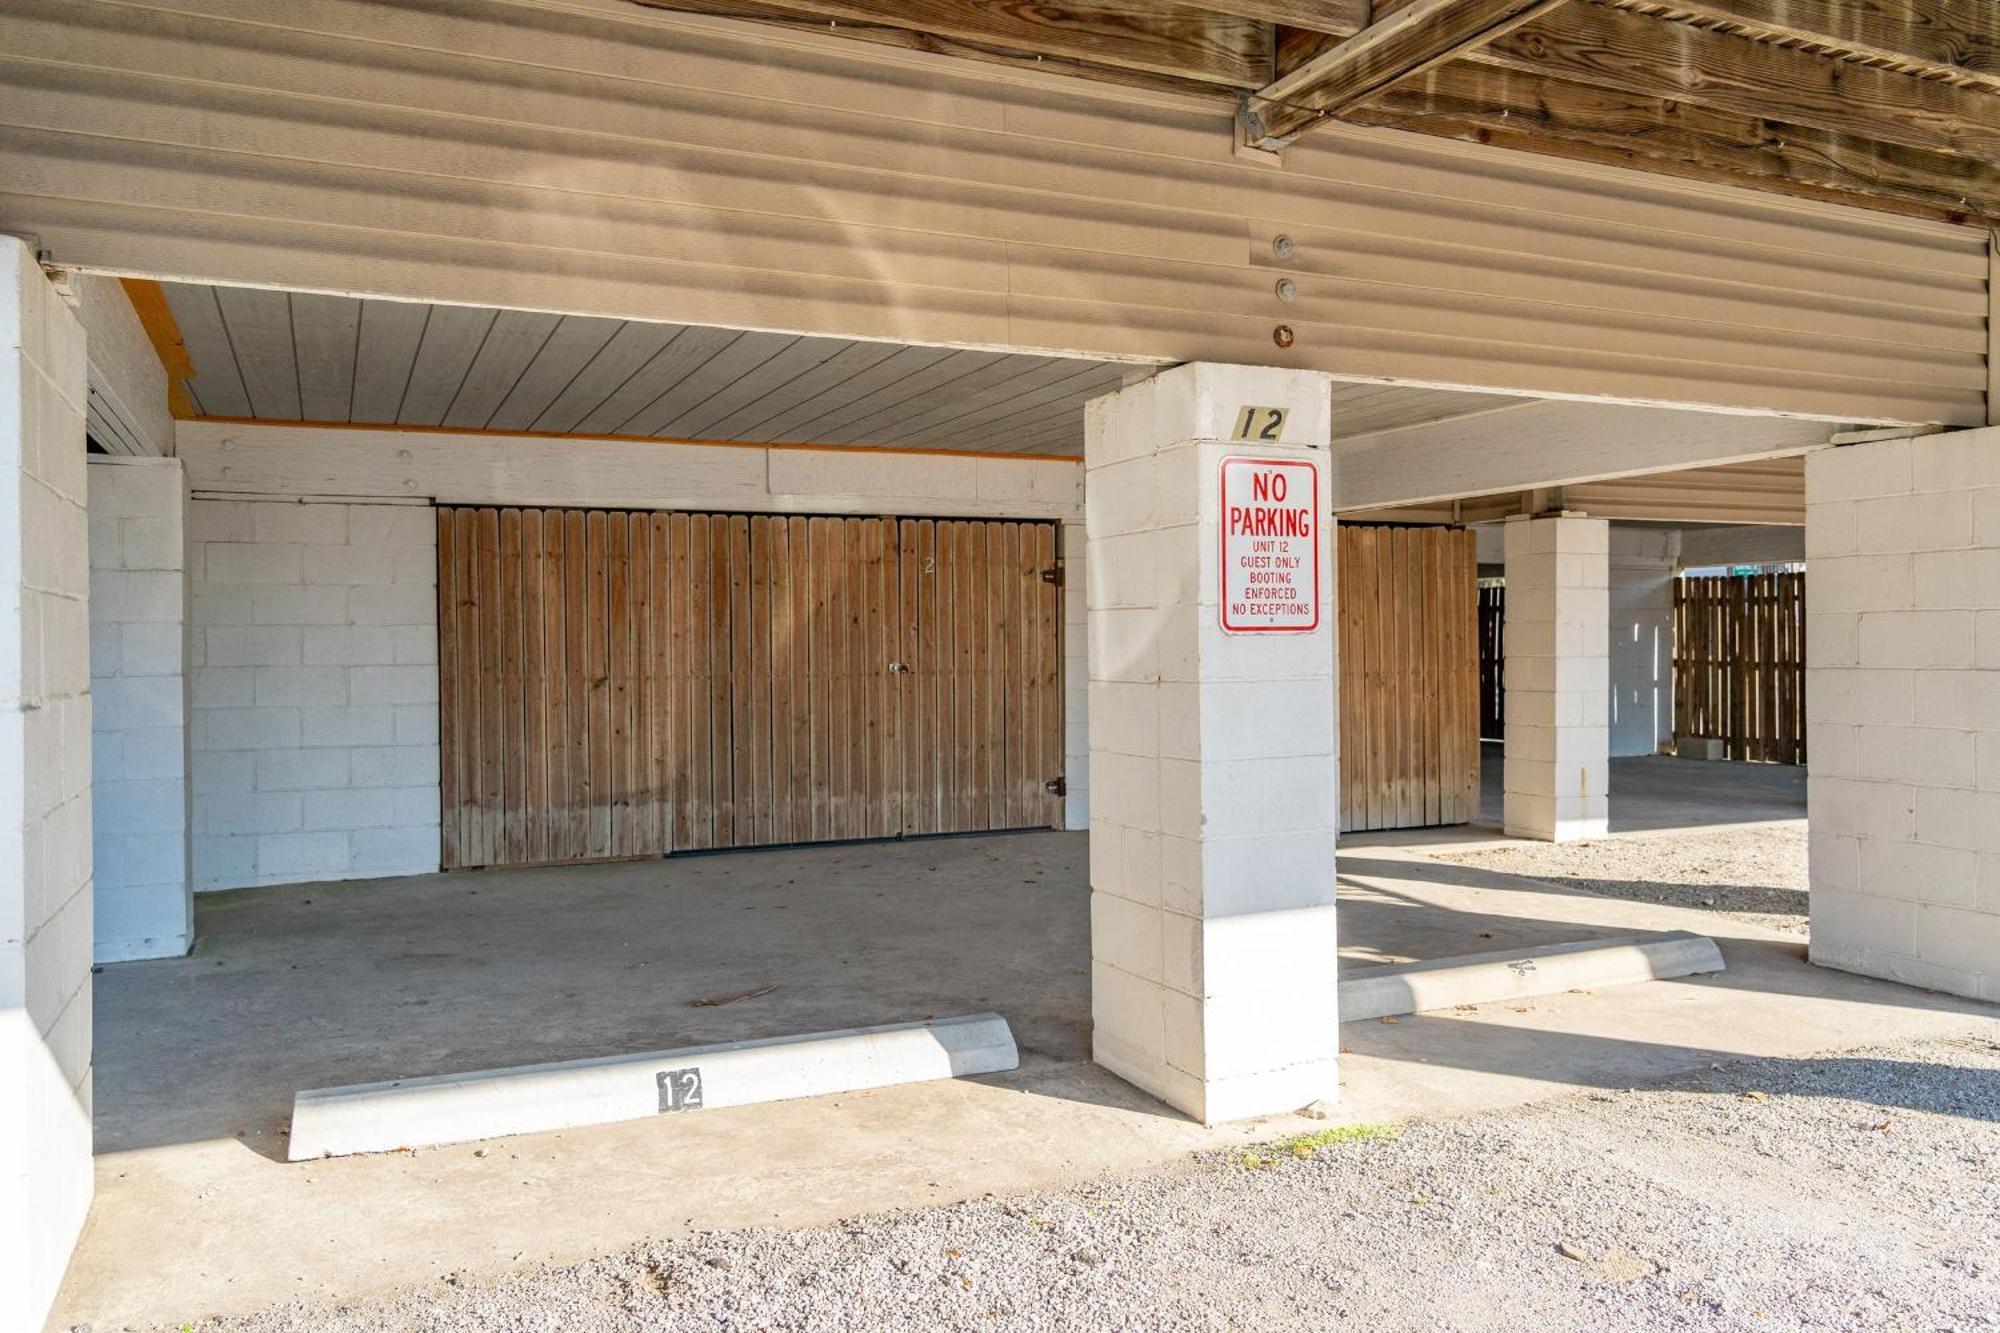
pixel 1409 741
pixel 1739 664
pixel 1492 655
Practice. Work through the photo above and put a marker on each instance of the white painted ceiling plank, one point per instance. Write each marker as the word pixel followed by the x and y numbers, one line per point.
pixel 801 358
pixel 325 334
pixel 576 340
pixel 878 378
pixel 384 355
pixel 990 427
pixel 892 425
pixel 1038 373
pixel 217 387
pixel 744 354
pixel 629 351
pixel 829 375
pixel 451 340
pixel 259 324
pixel 686 353
pixel 511 345
pixel 932 378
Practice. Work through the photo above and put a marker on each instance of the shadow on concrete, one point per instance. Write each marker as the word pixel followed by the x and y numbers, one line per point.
pixel 322 985
pixel 1652 793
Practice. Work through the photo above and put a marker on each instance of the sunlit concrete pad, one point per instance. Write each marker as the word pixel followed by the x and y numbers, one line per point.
pixel 318 985
pixel 458 1108
pixel 1414 988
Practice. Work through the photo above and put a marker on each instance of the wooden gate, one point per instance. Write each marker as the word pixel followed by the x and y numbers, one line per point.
pixel 1740 664
pixel 1409 677
pixel 620 684
pixel 1493 662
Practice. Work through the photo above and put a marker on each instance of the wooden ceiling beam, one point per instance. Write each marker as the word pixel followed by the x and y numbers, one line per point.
pixel 1725 72
pixel 1590 123
pixel 1341 18
pixel 1951 39
pixel 1420 36
pixel 1177 41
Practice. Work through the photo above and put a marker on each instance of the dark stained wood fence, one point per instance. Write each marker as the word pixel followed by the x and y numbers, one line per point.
pixel 619 684
pixel 1492 662
pixel 1739 664
pixel 1409 677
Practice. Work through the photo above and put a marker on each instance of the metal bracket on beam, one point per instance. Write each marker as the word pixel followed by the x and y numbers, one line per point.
pixel 1253 142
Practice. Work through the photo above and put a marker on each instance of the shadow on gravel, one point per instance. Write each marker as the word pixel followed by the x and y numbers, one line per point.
pixel 1584 1061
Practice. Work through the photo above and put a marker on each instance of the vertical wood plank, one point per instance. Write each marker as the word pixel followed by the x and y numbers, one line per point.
pixel 825 553
pixel 491 735
pixel 659 555
pixel 722 646
pixel 799 539
pixel 534 693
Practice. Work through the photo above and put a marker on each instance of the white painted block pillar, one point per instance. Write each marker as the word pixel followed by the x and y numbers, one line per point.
pixel 139 713
pixel 1213 764
pixel 1903 709
pixel 45 1167
pixel 1558 766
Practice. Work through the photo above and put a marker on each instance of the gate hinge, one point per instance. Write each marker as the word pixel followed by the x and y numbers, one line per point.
pixel 1053 574
pixel 1056 786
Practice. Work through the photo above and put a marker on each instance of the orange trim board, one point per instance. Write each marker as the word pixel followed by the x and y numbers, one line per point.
pixel 149 302
pixel 475 432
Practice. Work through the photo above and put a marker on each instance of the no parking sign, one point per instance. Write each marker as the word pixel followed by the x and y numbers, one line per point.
pixel 1270 546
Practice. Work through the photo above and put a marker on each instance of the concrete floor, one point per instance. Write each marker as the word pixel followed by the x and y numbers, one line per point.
pixel 1654 793
pixel 325 984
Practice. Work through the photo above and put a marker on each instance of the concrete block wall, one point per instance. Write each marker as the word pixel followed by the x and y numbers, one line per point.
pixel 45 854
pixel 139 714
pixel 315 691
pixel 1213 765
pixel 1903 709
pixel 1641 594
pixel 1558 681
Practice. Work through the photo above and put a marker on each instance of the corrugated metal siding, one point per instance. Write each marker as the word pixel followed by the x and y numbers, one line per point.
pixel 591 157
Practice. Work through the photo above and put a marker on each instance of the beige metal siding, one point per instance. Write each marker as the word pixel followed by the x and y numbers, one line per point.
pixel 588 156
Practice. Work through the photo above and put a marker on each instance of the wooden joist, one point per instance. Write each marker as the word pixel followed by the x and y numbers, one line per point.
pixel 1420 36
pixel 1954 40
pixel 1684 64
pixel 1185 42
pixel 1580 121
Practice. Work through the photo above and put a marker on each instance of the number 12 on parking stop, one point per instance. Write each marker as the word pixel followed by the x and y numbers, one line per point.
pixel 1270 545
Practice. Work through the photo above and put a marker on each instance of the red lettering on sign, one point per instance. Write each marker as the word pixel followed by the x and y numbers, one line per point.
pixel 1270 545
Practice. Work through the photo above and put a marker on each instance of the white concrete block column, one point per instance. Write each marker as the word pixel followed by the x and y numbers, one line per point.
pixel 45 909
pixel 139 714
pixel 1558 766
pixel 1213 766
pixel 1903 709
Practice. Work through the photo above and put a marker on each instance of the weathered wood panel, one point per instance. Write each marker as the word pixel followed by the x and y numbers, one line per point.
pixel 1409 677
pixel 619 684
pixel 1739 664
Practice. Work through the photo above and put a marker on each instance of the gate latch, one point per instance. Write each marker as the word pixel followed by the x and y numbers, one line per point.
pixel 1053 574
pixel 1056 786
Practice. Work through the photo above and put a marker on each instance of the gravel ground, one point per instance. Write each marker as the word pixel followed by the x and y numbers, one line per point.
pixel 1854 1191
pixel 1753 874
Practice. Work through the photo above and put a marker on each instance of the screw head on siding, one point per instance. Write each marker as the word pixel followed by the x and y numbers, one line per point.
pixel 1282 335
pixel 1287 290
pixel 1282 246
